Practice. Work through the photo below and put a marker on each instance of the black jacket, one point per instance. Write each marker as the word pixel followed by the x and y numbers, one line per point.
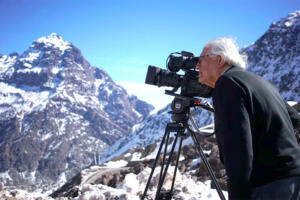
pixel 254 132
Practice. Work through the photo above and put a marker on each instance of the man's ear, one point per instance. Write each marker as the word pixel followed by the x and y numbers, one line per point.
pixel 219 59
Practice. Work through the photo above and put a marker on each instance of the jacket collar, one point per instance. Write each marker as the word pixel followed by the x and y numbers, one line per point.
pixel 226 69
pixel 232 68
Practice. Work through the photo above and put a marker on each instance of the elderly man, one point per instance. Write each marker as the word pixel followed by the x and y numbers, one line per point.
pixel 255 135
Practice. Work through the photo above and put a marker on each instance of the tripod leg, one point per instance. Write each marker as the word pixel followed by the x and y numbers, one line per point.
pixel 154 164
pixel 176 166
pixel 166 169
pixel 211 173
pixel 164 156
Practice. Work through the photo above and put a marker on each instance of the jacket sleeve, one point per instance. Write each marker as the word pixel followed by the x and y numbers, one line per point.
pixel 294 115
pixel 233 134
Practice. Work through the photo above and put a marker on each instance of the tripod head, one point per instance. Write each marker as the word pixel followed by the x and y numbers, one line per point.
pixel 181 106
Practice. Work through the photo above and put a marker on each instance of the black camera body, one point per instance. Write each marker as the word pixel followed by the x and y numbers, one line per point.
pixel 190 87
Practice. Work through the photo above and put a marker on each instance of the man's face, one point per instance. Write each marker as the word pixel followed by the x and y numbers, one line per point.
pixel 206 66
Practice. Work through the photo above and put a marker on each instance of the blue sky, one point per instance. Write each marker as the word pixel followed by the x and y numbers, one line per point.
pixel 125 36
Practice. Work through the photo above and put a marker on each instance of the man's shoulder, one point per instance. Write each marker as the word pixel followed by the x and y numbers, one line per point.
pixel 241 76
pixel 237 71
pixel 230 75
pixel 236 79
pixel 228 82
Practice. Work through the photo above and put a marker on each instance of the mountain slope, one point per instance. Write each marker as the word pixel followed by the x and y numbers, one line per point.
pixel 58 113
pixel 150 132
pixel 276 56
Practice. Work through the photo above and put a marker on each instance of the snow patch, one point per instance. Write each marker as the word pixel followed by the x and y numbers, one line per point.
pixel 35 70
pixel 62 179
pixel 195 162
pixel 47 136
pixel 116 164
pixel 186 187
pixel 6 62
pixel 79 98
pixel 5 176
pixel 29 56
pixel 55 70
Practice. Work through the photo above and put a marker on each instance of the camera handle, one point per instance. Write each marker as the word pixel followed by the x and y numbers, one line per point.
pixel 179 127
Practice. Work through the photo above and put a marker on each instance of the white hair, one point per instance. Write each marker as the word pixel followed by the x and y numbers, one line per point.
pixel 227 48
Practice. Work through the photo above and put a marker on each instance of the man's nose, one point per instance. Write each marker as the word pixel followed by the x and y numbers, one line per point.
pixel 198 65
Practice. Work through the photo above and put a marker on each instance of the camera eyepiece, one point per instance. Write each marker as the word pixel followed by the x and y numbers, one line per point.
pixel 186 61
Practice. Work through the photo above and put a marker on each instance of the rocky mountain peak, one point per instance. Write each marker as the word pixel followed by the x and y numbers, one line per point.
pixel 293 19
pixel 58 113
pixel 51 41
pixel 47 62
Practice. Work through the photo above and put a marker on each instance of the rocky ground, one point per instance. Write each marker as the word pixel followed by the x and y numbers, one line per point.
pixel 125 176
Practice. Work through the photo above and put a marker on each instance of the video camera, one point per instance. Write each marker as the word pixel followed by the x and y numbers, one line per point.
pixel 188 82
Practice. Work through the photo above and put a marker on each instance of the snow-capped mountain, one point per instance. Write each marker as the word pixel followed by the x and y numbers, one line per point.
pixel 276 56
pixel 58 113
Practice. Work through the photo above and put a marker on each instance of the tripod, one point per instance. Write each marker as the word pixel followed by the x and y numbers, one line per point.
pixel 180 116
